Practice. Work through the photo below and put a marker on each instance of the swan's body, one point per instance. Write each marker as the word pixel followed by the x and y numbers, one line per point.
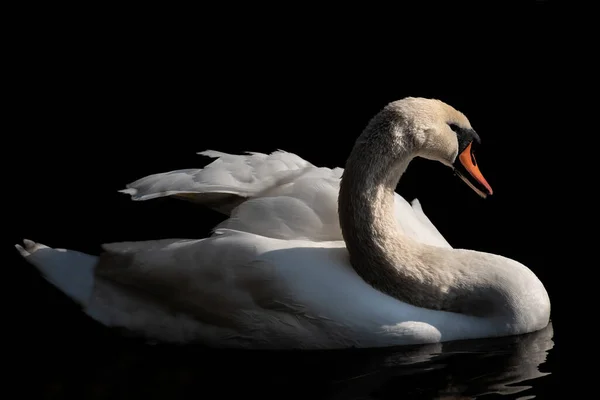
pixel 282 272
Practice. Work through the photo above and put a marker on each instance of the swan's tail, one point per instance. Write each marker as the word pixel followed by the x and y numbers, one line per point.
pixel 223 184
pixel 70 271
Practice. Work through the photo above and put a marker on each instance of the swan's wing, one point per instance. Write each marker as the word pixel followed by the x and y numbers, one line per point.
pixel 224 183
pixel 222 280
pixel 427 224
pixel 304 207
pixel 194 276
pixel 279 195
pixel 416 224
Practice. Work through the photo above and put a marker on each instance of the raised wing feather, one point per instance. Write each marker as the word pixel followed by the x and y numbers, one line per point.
pixel 278 195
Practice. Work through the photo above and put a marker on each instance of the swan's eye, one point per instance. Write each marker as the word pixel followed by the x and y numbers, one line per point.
pixel 455 128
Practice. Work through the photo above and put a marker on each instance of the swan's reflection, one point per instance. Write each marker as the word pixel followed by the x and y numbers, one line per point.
pixel 457 370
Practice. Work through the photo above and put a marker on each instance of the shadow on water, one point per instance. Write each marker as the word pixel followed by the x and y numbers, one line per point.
pixel 511 367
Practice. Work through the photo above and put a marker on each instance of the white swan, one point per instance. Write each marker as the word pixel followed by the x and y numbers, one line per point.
pixel 378 287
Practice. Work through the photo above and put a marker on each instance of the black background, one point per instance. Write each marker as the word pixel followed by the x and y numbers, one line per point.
pixel 102 102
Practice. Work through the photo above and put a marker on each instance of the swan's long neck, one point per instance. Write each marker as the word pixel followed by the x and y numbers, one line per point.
pixel 464 281
pixel 379 252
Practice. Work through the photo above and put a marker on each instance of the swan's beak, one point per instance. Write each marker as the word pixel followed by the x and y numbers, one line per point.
pixel 467 170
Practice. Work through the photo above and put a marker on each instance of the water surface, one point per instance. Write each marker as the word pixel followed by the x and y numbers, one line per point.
pixel 111 367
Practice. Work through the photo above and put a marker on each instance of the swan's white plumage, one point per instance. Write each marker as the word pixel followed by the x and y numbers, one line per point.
pixel 244 175
pixel 283 196
pixel 276 273
pixel 69 270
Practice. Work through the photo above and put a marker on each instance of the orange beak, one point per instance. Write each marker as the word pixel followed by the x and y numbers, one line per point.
pixel 474 179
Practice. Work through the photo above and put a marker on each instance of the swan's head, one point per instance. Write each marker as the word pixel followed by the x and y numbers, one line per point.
pixel 443 133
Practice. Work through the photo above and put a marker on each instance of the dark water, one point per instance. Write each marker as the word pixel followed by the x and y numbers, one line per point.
pixel 108 366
